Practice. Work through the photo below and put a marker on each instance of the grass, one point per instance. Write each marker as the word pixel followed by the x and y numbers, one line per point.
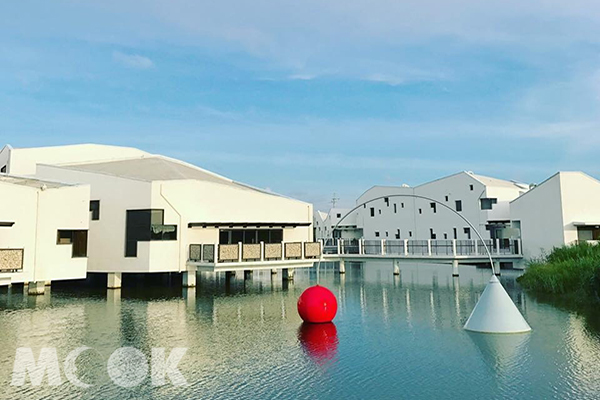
pixel 570 272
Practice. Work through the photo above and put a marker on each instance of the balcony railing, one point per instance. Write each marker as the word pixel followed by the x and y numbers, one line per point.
pixel 256 252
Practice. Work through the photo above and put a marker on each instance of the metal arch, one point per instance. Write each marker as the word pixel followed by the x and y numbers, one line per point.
pixel 416 196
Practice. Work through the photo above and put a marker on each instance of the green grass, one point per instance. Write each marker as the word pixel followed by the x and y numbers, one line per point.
pixel 568 272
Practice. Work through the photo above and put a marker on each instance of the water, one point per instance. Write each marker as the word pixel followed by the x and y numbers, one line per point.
pixel 394 337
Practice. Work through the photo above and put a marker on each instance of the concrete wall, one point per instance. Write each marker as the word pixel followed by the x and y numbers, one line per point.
pixel 540 215
pixel 580 198
pixel 38 215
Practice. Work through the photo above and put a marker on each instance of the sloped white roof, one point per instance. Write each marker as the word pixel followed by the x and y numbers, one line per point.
pixel 157 168
pixel 31 182
pixel 489 181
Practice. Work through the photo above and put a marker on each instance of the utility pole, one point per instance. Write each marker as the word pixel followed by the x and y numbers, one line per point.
pixel 334 200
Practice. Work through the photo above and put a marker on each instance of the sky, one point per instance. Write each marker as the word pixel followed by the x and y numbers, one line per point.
pixel 307 98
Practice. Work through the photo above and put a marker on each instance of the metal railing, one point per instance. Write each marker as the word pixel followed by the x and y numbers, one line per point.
pixel 433 247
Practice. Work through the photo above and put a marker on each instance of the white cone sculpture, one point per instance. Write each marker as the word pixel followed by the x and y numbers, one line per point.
pixel 495 312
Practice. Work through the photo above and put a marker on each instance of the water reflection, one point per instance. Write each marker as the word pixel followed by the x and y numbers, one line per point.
pixel 392 335
pixel 319 341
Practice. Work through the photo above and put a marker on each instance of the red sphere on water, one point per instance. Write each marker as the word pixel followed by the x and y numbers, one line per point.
pixel 317 305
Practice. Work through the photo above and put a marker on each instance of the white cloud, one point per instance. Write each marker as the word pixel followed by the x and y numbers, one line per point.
pixel 133 60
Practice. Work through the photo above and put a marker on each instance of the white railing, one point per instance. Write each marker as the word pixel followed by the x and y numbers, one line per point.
pixel 213 253
pixel 431 248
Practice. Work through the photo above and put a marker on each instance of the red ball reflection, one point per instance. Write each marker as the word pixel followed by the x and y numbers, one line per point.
pixel 319 341
pixel 317 305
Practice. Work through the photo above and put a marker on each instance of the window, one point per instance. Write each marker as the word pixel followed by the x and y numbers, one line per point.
pixel 372 212
pixel 395 208
pixel 387 234
pixel 387 201
pixel 77 238
pixel 487 204
pixel 410 233
pixel 420 211
pixel 446 198
pixel 398 234
pixel 471 187
pixel 250 236
pixel 402 205
pixel 432 234
pixel 95 209
pixel 144 226
pixel 3 170
pixel 433 207
pixel 455 233
pixel 379 211
pixel 467 232
pixel 376 234
pixel 458 205
pixel 445 235
pixel 339 215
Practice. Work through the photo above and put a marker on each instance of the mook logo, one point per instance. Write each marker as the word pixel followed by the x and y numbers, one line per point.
pixel 127 367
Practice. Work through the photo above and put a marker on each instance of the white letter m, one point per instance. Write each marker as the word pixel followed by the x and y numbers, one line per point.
pixel 25 364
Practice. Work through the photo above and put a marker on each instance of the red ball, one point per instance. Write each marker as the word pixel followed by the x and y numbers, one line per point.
pixel 317 305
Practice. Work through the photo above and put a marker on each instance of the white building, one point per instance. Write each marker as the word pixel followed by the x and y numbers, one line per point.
pixel 482 200
pixel 561 210
pixel 148 209
pixel 345 228
pixel 43 231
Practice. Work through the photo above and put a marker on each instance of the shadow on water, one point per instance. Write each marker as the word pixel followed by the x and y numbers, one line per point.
pixel 589 311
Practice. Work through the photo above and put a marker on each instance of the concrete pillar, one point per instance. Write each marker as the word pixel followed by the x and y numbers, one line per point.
pixel 342 267
pixel 497 246
pixel 36 288
pixel 288 274
pixel 476 247
pixel 454 247
pixel 396 267
pixel 274 271
pixel 497 268
pixel 383 247
pixel 405 247
pixel 339 246
pixel 429 247
pixel 262 251
pixel 361 246
pixel 240 246
pixel 114 280
pixel 189 279
pixel 454 267
pixel 48 283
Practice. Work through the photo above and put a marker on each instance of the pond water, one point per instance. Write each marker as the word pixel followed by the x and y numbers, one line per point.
pixel 394 337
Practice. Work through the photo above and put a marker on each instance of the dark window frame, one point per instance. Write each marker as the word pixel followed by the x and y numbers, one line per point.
pixel 95 209
pixel 77 238
pixel 458 205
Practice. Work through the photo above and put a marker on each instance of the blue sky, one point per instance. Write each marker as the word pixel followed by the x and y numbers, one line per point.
pixel 314 97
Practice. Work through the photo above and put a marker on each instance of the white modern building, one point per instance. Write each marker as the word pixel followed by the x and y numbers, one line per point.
pixel 562 210
pixel 345 226
pixel 393 212
pixel 151 213
pixel 43 231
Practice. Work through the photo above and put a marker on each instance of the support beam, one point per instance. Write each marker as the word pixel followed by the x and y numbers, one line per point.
pixel 114 280
pixel 342 267
pixel 189 279
pixel 454 267
pixel 36 288
pixel 497 268
pixel 396 267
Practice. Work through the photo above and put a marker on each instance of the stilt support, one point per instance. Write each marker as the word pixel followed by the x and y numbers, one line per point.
pixel 288 274
pixel 342 267
pixel 497 268
pixel 454 267
pixel 36 288
pixel 274 271
pixel 247 274
pixel 189 279
pixel 114 280
pixel 396 267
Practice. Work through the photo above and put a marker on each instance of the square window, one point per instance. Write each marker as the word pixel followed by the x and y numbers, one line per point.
pixel 376 234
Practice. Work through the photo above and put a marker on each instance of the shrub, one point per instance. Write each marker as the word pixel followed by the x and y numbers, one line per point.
pixel 569 271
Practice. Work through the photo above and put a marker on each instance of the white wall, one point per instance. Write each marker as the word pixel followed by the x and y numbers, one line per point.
pixel 580 197
pixel 38 215
pixel 540 214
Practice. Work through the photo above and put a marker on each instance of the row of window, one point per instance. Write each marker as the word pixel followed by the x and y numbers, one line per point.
pixel 485 204
pixel 432 234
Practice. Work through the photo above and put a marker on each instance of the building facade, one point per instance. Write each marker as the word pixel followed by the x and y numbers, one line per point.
pixel 148 209
pixel 43 231
pixel 562 210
